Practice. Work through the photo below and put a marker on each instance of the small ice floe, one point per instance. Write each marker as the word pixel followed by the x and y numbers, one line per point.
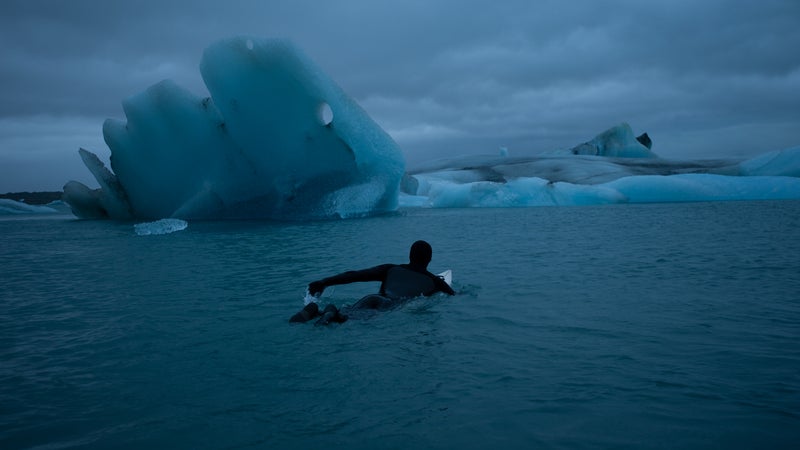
pixel 163 226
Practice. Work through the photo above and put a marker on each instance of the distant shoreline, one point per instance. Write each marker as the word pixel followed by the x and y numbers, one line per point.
pixel 34 198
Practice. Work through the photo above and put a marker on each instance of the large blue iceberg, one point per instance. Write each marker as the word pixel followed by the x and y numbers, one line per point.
pixel 276 139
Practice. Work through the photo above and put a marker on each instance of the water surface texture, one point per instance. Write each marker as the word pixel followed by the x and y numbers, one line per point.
pixel 630 326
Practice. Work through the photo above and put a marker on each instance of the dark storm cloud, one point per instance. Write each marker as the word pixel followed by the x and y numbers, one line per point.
pixel 535 78
pixel 703 78
pixel 80 57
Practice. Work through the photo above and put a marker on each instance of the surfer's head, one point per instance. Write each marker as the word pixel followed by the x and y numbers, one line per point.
pixel 420 254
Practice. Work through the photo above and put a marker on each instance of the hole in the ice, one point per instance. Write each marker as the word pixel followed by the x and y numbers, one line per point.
pixel 325 114
pixel 249 44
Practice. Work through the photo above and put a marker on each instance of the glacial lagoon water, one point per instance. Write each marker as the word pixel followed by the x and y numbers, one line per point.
pixel 618 326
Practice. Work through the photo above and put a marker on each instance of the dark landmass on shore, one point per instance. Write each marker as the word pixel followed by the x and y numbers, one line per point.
pixel 34 198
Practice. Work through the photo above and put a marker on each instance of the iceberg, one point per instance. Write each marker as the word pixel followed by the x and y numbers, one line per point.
pixel 633 174
pixel 277 138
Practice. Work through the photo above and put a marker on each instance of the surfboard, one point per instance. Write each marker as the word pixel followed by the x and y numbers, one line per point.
pixel 448 277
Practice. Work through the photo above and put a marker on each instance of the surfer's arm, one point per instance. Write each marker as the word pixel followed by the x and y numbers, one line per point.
pixel 377 273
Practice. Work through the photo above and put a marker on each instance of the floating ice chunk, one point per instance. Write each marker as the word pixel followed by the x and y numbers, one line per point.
pixel 532 191
pixel 477 181
pixel 276 139
pixel 163 226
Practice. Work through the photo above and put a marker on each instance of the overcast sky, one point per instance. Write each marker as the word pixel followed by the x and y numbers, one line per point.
pixel 704 78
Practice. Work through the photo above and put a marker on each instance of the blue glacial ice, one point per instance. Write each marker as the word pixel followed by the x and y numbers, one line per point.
pixel 277 138
pixel 159 227
pixel 614 167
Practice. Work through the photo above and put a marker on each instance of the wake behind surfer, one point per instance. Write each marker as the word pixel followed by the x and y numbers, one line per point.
pixel 398 282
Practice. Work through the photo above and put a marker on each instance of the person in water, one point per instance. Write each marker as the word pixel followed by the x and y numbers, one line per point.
pixel 398 282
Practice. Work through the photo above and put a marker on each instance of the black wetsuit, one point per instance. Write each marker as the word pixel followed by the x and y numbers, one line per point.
pixel 398 282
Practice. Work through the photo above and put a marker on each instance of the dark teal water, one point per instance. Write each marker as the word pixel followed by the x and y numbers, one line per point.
pixel 635 326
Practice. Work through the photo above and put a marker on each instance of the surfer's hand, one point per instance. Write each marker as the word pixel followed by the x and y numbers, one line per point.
pixel 315 288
